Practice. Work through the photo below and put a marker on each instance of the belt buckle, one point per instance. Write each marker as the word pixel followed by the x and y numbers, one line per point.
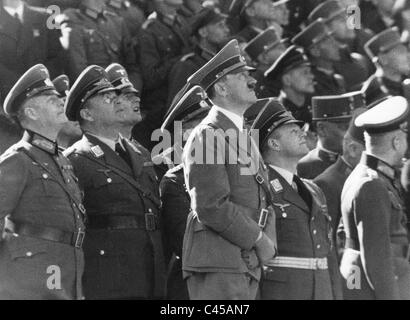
pixel 150 221
pixel 79 239
pixel 321 264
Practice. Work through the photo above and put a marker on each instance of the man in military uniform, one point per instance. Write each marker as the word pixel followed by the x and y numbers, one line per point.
pixel 306 266
pixel 331 181
pixel 71 131
pixel 41 202
pixel 331 117
pixel 353 66
pixel 123 250
pixel 377 15
pixel 133 16
pixel 211 34
pixel 25 41
pixel 264 50
pixel 375 262
pixel 224 247
pixel 391 58
pixel 255 16
pixel 99 37
pixel 163 40
pixel 293 73
pixel 323 51
pixel 176 203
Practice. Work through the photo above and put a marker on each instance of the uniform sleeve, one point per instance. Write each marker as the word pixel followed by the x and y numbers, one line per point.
pixel 175 210
pixel 209 189
pixel 372 208
pixel 154 70
pixel 13 178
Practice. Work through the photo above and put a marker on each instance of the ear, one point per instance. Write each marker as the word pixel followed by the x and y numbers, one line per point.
pixel 382 59
pixel 273 144
pixel 396 143
pixel 286 80
pixel 86 115
pixel 250 11
pixel 220 89
pixel 31 113
pixel 203 32
pixel 315 51
pixel 321 129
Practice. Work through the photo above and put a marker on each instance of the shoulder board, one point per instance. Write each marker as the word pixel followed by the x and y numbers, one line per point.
pixel 187 56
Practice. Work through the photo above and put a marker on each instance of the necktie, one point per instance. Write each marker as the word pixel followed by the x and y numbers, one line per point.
pixel 302 191
pixel 123 153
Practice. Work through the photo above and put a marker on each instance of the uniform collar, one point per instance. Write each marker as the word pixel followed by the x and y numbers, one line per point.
pixel 41 142
pixel 93 14
pixel 206 53
pixel 287 175
pixel 236 119
pixel 167 19
pixel 328 155
pixel 379 165
pixel 395 87
pixel 109 142
pixel 19 10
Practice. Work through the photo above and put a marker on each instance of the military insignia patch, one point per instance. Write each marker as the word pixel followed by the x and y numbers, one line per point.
pixel 97 151
pixel 276 185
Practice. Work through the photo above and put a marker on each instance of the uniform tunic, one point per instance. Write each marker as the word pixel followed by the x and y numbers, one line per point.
pixel 123 258
pixel 375 265
pixel 34 196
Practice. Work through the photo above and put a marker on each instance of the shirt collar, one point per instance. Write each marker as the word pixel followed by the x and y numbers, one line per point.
pixel 287 175
pixel 12 11
pixel 235 118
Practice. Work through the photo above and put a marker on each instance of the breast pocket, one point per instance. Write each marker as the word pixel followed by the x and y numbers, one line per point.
pixel 46 183
pixel 287 225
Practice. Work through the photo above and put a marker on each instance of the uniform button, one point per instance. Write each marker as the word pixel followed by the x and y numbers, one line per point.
pixel 313 218
pixel 29 254
pixel 45 175
pixel 68 180
pixel 102 252
pixel 109 180
pixel 396 278
pixel 318 246
pixel 284 215
pixel 263 198
pixel 314 231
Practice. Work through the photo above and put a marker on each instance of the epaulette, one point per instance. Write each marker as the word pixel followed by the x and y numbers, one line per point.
pixel 187 56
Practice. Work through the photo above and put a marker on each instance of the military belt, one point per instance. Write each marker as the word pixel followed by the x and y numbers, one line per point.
pixel 74 239
pixel 299 263
pixel 147 222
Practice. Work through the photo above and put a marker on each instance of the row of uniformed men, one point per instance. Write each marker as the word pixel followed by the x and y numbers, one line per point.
pixel 238 226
